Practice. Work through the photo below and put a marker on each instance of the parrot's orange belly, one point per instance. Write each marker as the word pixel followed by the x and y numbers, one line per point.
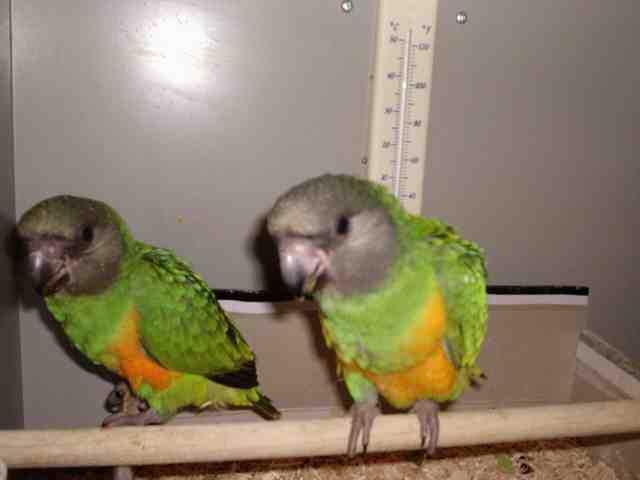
pixel 433 376
pixel 133 363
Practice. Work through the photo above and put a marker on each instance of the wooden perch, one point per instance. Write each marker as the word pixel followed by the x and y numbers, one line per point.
pixel 262 440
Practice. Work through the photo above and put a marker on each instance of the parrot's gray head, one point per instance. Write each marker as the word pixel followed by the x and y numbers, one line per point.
pixel 333 232
pixel 71 244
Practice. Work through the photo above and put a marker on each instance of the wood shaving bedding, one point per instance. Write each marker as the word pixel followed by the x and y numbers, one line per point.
pixel 565 459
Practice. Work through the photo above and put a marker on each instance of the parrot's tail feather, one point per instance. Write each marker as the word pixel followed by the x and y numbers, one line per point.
pixel 265 408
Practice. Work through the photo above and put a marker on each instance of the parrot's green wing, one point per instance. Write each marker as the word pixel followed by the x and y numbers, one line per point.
pixel 460 268
pixel 183 326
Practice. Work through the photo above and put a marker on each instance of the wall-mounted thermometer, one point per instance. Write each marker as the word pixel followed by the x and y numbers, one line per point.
pixel 401 91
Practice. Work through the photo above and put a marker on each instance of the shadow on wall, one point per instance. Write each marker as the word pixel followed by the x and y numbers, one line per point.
pixel 30 300
pixel 10 253
pixel 265 250
pixel 11 415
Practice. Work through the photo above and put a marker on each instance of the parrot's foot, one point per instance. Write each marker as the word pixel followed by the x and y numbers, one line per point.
pixel 122 400
pixel 123 419
pixel 122 473
pixel 362 415
pixel 127 410
pixel 123 404
pixel 4 471
pixel 427 412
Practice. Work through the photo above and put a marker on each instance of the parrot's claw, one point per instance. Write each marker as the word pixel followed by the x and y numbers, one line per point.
pixel 362 416
pixel 427 412
pixel 122 419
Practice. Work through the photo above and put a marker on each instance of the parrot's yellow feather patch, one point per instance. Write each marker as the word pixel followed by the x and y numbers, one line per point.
pixel 134 364
pixel 426 336
pixel 433 376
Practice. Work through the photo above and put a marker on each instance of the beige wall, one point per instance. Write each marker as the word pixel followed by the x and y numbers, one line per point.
pixel 531 147
pixel 10 379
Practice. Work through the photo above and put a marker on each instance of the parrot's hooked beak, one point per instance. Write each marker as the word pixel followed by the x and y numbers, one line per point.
pixel 302 263
pixel 46 263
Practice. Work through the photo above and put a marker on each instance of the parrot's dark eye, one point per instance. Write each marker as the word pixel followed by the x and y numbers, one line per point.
pixel 87 234
pixel 343 226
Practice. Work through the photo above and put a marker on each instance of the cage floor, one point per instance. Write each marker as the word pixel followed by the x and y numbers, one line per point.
pixel 566 459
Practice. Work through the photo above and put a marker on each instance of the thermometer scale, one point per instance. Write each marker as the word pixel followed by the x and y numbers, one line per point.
pixel 400 97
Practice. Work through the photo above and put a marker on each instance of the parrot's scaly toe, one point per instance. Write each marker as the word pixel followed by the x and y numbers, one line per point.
pixel 363 413
pixel 147 417
pixel 427 412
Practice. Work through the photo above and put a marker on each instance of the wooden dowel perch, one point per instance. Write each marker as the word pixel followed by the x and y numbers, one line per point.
pixel 262 440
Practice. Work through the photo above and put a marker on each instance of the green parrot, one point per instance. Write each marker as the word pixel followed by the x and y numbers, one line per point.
pixel 138 310
pixel 403 298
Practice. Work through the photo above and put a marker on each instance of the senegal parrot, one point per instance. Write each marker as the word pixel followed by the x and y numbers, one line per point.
pixel 138 310
pixel 403 298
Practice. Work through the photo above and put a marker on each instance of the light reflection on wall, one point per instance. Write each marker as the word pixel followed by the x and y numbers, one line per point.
pixel 178 45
